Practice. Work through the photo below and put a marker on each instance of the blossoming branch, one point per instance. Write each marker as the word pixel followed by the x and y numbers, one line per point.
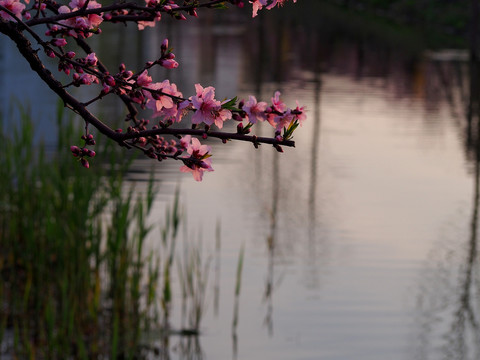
pixel 73 23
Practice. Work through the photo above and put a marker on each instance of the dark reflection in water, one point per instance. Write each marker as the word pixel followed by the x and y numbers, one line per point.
pixel 449 300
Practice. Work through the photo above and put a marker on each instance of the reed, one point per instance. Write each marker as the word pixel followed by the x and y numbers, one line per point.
pixel 74 279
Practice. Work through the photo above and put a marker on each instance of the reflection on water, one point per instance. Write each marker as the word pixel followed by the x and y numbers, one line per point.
pixel 361 243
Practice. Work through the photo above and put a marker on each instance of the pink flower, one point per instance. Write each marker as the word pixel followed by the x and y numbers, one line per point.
pixel 283 121
pixel 163 104
pixel 277 104
pixel 199 161
pixel 185 141
pixel 182 109
pixel 257 5
pixel 143 79
pixel 300 114
pixel 276 2
pixel 81 23
pixel 200 90
pixel 84 79
pixel 91 59
pixel 255 110
pixel 208 109
pixel 14 6
pixel 143 24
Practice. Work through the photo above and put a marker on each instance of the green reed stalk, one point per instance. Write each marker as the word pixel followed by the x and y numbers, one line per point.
pixel 72 266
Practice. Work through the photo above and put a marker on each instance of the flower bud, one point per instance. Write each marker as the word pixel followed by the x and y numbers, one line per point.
pixel 70 54
pixel 75 150
pixel 169 63
pixel 84 163
pixel 59 42
pixel 107 16
pixel 109 80
pixel 240 128
pixel 142 141
pixel 164 45
pixel 106 89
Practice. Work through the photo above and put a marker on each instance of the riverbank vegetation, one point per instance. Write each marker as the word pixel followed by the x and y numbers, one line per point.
pixel 76 281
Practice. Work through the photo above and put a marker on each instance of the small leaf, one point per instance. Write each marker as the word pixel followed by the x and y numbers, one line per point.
pixel 221 5
pixel 230 104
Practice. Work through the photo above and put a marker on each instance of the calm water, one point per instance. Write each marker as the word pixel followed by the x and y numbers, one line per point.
pixel 360 243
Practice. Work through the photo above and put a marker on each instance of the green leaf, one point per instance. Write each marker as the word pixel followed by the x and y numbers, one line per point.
pixel 221 5
pixel 230 104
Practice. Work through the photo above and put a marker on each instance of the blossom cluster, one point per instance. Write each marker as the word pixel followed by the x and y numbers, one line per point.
pixel 259 4
pixel 81 19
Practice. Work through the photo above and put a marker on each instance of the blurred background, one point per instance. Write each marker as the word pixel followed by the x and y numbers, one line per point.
pixel 359 243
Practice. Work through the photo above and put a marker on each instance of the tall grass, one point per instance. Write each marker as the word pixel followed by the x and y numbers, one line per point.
pixel 74 280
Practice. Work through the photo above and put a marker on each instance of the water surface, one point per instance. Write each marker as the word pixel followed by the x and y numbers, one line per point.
pixel 360 243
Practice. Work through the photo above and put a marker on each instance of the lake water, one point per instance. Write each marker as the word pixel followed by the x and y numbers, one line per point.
pixel 359 243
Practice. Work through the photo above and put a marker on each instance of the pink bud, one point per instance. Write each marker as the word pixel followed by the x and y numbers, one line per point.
pixel 75 150
pixel 70 54
pixel 164 45
pixel 169 64
pixel 59 42
pixel 106 89
pixel 50 53
pixel 142 141
pixel 107 16
pixel 84 163
pixel 109 80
